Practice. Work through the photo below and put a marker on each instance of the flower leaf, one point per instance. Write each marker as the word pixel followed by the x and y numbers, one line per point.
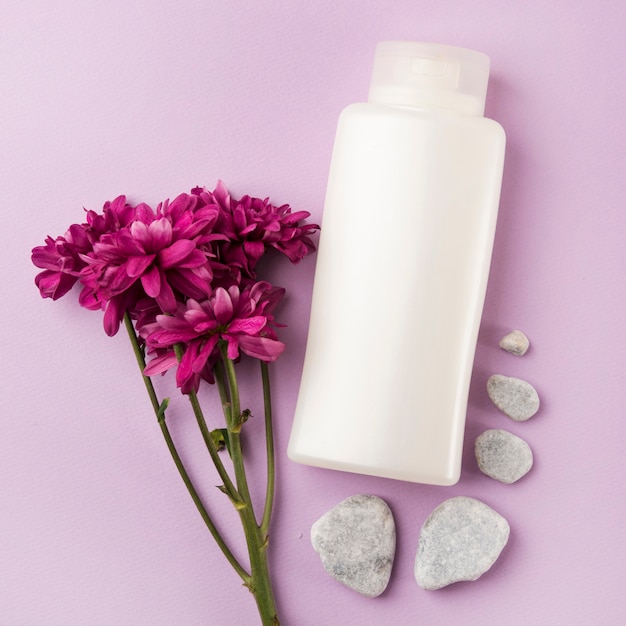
pixel 162 409
pixel 238 504
pixel 220 439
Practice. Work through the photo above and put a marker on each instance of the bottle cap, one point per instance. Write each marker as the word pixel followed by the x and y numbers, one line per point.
pixel 414 74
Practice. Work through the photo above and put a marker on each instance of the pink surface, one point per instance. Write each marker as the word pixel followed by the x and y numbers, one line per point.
pixel 150 99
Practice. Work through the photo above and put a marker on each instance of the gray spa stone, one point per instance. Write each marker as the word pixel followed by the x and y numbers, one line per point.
pixel 356 541
pixel 461 539
pixel 516 342
pixel 513 396
pixel 502 455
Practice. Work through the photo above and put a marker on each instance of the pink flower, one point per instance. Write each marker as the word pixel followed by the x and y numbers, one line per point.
pixel 253 225
pixel 61 261
pixel 242 319
pixel 192 247
pixel 165 251
pixel 61 258
pixel 115 215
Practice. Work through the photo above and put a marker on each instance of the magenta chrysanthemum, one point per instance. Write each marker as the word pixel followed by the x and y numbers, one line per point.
pixel 115 215
pixel 61 261
pixel 187 248
pixel 241 319
pixel 252 225
pixel 163 250
pixel 62 258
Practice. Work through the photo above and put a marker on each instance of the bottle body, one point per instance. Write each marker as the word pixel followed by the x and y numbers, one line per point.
pixel 401 276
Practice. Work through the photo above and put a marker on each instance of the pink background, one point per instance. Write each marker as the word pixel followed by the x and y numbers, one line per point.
pixel 152 98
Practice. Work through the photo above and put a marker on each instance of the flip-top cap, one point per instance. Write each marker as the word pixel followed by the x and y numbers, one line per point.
pixel 414 74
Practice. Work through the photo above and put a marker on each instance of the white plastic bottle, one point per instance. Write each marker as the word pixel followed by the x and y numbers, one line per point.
pixel 402 267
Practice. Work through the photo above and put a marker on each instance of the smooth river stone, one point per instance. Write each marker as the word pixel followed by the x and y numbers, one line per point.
pixel 502 455
pixel 516 342
pixel 461 539
pixel 513 396
pixel 356 541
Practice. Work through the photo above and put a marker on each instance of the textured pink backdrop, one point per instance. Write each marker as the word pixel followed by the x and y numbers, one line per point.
pixel 152 98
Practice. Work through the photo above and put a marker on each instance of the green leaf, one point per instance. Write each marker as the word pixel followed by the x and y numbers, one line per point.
pixel 235 427
pixel 238 504
pixel 162 409
pixel 220 439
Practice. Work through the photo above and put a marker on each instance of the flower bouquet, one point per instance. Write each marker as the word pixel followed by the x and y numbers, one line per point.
pixel 182 278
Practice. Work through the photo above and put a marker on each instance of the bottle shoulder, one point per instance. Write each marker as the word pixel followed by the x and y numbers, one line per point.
pixel 366 113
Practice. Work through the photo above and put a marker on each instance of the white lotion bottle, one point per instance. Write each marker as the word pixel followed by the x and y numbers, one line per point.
pixel 402 267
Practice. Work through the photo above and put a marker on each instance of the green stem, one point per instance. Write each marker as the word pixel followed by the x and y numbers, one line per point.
pixel 221 387
pixel 200 506
pixel 269 446
pixel 229 487
pixel 256 539
pixel 247 579
pixel 141 362
pixel 234 427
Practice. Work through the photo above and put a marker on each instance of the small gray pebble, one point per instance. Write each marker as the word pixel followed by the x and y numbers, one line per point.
pixel 516 342
pixel 460 540
pixel 503 455
pixel 356 541
pixel 513 396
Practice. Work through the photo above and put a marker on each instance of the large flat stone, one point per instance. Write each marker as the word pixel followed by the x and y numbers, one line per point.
pixel 460 540
pixel 356 541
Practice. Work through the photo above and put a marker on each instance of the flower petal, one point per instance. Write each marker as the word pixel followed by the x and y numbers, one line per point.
pixel 172 323
pixel 204 354
pixel 223 306
pixel 160 364
pixel 222 195
pixel 186 378
pixel 116 280
pixel 113 315
pixel 139 233
pixel 233 346
pixel 89 299
pixel 151 281
pixel 248 325
pixel 177 253
pixel 167 338
pixel 254 250
pixel 161 233
pixel 262 348
pixel 166 298
pixel 54 284
pixel 197 258
pixel 137 265
pixel 144 213
pixel 195 282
